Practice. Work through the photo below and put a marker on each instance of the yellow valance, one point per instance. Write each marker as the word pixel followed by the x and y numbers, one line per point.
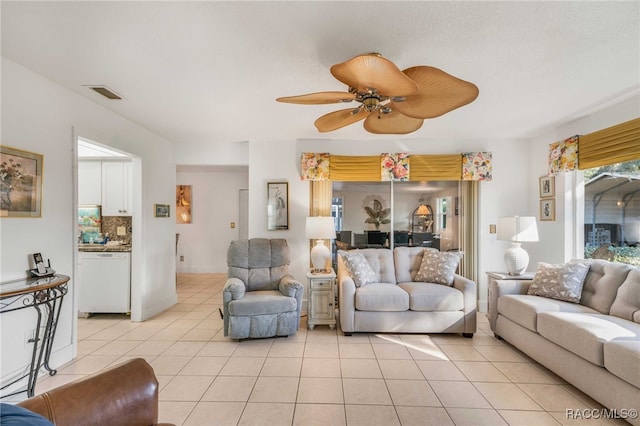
pixel 615 144
pixel 355 168
pixel 396 167
pixel 436 167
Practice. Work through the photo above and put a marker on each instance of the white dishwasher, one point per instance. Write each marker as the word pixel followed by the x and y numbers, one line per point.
pixel 105 282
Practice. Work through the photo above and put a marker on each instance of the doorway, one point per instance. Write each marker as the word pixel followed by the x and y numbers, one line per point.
pixel 109 181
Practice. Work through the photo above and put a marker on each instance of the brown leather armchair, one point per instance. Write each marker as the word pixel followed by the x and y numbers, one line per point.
pixel 126 395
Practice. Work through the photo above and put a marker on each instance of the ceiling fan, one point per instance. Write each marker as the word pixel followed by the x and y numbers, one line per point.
pixel 391 101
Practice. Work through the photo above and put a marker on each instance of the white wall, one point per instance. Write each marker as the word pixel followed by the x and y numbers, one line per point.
pixel 40 116
pixel 214 205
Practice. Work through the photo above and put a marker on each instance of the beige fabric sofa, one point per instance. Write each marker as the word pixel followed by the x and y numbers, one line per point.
pixel 398 304
pixel 594 345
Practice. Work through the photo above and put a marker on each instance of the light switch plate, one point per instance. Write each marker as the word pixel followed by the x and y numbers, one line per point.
pixel 492 229
pixel 121 230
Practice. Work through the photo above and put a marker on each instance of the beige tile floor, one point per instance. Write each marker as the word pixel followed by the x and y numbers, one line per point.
pixel 320 376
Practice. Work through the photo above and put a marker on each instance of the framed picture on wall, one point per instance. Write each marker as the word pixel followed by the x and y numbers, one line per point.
pixel 548 209
pixel 547 186
pixel 162 210
pixel 277 206
pixel 20 183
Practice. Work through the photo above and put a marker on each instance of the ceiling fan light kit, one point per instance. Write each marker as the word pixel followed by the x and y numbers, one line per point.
pixel 391 101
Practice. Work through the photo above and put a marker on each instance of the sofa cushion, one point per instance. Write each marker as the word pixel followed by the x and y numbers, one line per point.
pixel 407 262
pixel 622 358
pixel 561 282
pixel 627 302
pixel 433 297
pixel 381 261
pixel 602 283
pixel 262 302
pixel 438 267
pixel 382 297
pixel 524 309
pixel 359 268
pixel 585 334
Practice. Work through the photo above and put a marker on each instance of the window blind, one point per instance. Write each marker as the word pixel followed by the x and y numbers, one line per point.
pixel 615 144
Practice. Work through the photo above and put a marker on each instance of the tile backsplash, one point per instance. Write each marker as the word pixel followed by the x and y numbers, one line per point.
pixel 110 224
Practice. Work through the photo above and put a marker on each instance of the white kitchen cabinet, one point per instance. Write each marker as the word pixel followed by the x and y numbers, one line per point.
pixel 89 182
pixel 116 188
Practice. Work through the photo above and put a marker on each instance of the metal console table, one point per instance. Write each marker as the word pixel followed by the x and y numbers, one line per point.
pixel 45 296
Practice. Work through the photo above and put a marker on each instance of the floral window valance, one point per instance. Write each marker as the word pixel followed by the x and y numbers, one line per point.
pixel 563 156
pixel 314 166
pixel 396 167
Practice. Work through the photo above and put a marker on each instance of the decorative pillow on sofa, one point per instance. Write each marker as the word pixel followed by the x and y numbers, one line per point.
pixel 561 282
pixel 359 268
pixel 438 267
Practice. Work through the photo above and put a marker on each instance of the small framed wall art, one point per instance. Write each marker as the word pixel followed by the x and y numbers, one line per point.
pixel 277 206
pixel 548 209
pixel 162 210
pixel 547 187
pixel 20 183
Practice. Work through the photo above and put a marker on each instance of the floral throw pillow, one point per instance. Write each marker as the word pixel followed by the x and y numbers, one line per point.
pixel 438 267
pixel 560 282
pixel 359 268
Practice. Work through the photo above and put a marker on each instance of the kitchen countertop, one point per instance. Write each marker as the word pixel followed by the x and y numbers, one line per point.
pixel 104 248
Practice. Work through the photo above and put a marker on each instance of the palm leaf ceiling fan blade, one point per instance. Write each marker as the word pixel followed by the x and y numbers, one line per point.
pixel 438 93
pixel 392 123
pixel 392 101
pixel 338 119
pixel 319 98
pixel 372 71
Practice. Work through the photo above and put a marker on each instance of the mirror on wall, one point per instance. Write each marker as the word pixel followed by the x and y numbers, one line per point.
pixel 389 214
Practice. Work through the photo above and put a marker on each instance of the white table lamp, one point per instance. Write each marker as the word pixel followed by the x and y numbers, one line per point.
pixel 517 229
pixel 320 228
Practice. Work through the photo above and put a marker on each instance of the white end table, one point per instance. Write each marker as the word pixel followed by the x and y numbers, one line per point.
pixel 321 299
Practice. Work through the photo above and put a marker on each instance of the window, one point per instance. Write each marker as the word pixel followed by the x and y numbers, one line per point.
pixel 441 213
pixel 612 212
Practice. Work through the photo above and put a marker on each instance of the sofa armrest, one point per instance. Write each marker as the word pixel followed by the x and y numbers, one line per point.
pixel 499 288
pixel 346 297
pixel 234 289
pixel 126 394
pixel 469 291
pixel 290 287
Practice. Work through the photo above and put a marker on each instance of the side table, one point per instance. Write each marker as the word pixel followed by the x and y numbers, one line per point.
pixel 495 276
pixel 45 296
pixel 321 299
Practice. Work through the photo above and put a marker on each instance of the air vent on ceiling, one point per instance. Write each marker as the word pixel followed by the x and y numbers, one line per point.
pixel 106 92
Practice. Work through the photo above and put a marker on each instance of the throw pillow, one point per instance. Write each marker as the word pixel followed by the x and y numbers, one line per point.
pixel 438 267
pixel 359 268
pixel 560 282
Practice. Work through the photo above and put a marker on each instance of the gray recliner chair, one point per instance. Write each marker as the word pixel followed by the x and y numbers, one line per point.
pixel 260 298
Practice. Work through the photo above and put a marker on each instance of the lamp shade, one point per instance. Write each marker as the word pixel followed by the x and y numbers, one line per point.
pixel 320 227
pixel 424 210
pixel 517 228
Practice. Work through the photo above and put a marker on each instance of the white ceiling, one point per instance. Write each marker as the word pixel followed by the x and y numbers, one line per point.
pixel 209 72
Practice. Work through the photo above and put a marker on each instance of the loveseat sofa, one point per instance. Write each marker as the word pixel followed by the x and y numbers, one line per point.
pixel 592 342
pixel 126 395
pixel 399 300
